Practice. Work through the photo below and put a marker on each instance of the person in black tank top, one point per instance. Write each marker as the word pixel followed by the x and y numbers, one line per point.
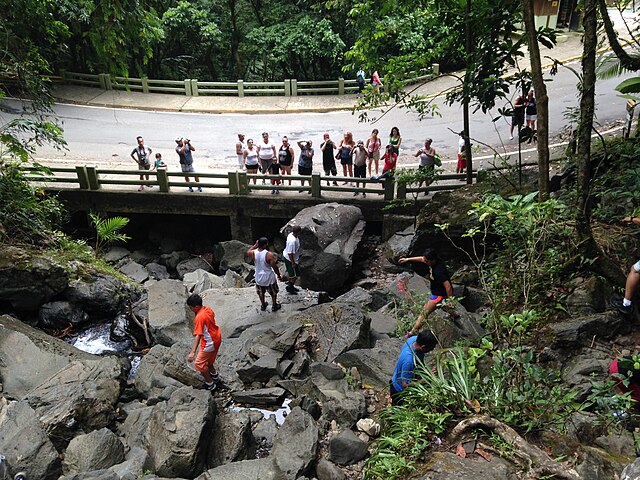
pixel 285 157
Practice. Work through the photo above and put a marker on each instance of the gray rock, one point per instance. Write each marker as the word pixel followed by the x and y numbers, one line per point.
pixel 474 299
pixel 25 444
pixel 358 296
pixel 577 332
pixel 265 431
pixel 115 253
pixel 585 427
pixel 295 445
pixel 631 471
pixel 449 466
pixel 171 260
pixel 232 439
pixel 94 475
pixel 191 265
pixel 177 367
pixel 135 427
pixel 339 327
pixel 134 465
pixel 100 295
pixel 617 443
pixel 200 280
pixel 300 367
pixel 374 364
pixel 259 469
pixel 143 257
pixel 60 314
pixel 383 322
pixel 27 280
pixel 465 275
pixel 346 448
pixel 588 296
pixel 157 271
pixel 260 396
pixel 135 272
pixel 150 379
pixel 330 235
pixel 231 255
pixel 598 464
pixel 280 337
pixel 233 280
pixel 260 370
pixel 339 400
pixel 325 470
pixel 169 318
pixel 398 245
pixel 97 450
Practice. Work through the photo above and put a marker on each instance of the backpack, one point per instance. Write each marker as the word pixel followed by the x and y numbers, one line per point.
pixel 437 160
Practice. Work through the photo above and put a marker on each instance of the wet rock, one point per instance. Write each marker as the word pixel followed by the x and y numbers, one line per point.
pixel 232 438
pixel 191 265
pixel 157 271
pixel 260 396
pixel 374 364
pixel 100 295
pixel 60 314
pixel 200 280
pixel 346 448
pixel 295 445
pixel 97 450
pixel 169 318
pixel 135 272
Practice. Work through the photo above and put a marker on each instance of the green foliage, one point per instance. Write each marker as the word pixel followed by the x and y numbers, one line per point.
pixel 108 231
pixel 27 214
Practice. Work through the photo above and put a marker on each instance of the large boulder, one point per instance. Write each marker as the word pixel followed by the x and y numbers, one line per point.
pixel 28 280
pixel 340 401
pixel 346 448
pixel 135 271
pixel 200 280
pixel 258 469
pixel 25 444
pixel 191 265
pixel 231 255
pixel 100 295
pixel 60 314
pixel 295 445
pixel 449 466
pixel 576 332
pixel 169 317
pixel 399 244
pixel 374 364
pixel 150 378
pixel 232 438
pixel 97 450
pixel 330 234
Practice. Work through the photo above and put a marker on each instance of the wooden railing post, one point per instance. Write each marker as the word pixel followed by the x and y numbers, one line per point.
pixel 389 184
pixel 145 84
pixel 435 69
pixel 340 86
pixel 194 87
pixel 163 179
pixel 92 177
pixel 241 88
pixel 187 87
pixel 294 87
pixel 287 87
pixel 83 179
pixel 316 185
pixel 233 183
pixel 243 186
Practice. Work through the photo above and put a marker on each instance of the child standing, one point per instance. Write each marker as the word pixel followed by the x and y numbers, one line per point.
pixel 360 164
pixel 208 338
pixel 274 169
pixel 159 163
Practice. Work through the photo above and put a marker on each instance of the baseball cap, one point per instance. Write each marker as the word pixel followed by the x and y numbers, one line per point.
pixel 178 139
pixel 325 135
pixel 360 142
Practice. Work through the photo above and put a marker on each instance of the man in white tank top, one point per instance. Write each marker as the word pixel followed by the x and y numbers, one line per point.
pixel 240 146
pixel 267 273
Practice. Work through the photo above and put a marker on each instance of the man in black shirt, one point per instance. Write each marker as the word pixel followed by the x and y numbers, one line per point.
pixel 441 287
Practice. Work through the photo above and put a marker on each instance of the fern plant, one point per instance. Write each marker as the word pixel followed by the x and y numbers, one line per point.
pixel 108 230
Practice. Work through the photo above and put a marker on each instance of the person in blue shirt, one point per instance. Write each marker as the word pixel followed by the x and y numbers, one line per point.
pixel 414 349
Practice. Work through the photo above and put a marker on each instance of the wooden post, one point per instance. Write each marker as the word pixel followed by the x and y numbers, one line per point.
pixel 243 186
pixel 194 87
pixel 187 87
pixel 435 69
pixel 294 87
pixel 340 86
pixel 92 177
pixel 389 184
pixel 401 192
pixel 163 179
pixel 103 85
pixel 107 81
pixel 241 88
pixel 145 84
pixel 233 183
pixel 316 184
pixel 83 179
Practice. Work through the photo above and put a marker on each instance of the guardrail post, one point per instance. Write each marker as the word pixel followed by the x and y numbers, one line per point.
pixel 63 74
pixel 243 186
pixel 287 87
pixel 83 179
pixel 401 192
pixel 316 185
pixel 233 183
pixel 389 183
pixel 163 179
pixel 241 88
pixel 145 84
pixel 340 86
pixel 194 87
pixel 92 177
pixel 187 87
pixel 294 87
pixel 106 78
pixel 435 69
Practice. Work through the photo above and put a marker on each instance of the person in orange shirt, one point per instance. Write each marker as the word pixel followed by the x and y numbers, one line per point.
pixel 207 335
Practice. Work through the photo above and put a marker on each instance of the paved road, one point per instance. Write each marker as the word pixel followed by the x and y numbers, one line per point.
pixel 106 136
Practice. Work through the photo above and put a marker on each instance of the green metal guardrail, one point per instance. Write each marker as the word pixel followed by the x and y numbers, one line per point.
pixel 88 177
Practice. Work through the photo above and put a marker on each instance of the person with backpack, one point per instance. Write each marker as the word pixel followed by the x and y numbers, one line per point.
pixel 360 80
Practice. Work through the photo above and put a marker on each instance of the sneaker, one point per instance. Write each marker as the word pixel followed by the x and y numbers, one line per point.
pixel 276 307
pixel 277 192
pixel 624 311
pixel 215 377
pixel 335 184
pixel 364 194
pixel 328 184
pixel 272 192
pixel 264 306
pixel 292 290
pixel 511 138
pixel 200 189
pixel 209 386
pixel 190 189
pixel 355 194
pixel 300 191
pixel 141 188
pixel 309 192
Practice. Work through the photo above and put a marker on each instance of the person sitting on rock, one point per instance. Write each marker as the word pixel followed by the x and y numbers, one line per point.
pixel 633 280
pixel 267 273
pixel 441 287
pixel 413 350
pixel 207 335
pixel 624 368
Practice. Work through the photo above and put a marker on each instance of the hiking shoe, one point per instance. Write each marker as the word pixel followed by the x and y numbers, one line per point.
pixel 264 306
pixel 292 290
pixel 190 189
pixel 215 377
pixel 617 304
pixel 209 386
pixel 272 192
pixel 199 189
pixel 276 307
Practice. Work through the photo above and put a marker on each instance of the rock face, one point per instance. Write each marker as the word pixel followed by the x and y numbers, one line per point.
pixel 259 469
pixel 346 448
pixel 374 364
pixel 330 235
pixel 25 444
pixel 295 445
pixel 231 256
pixel 58 315
pixel 99 295
pixel 448 466
pixel 29 280
pixel 232 439
pixel 97 450
pixel 169 318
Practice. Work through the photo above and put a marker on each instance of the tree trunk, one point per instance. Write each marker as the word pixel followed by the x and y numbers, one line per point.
pixel 628 62
pixel 468 42
pixel 583 156
pixel 238 68
pixel 542 100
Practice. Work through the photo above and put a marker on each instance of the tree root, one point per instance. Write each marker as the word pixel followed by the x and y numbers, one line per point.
pixel 535 462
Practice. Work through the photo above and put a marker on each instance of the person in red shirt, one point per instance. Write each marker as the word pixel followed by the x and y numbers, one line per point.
pixel 390 158
pixel 207 335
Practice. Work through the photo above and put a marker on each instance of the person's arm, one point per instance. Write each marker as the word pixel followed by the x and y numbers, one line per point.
pixel 133 156
pixel 300 142
pixel 323 146
pixel 274 265
pixel 293 154
pixel 191 147
pixel 182 148
pixel 310 152
pixel 631 219
pixel 412 259
pixel 251 249
pixel 399 142
pixel 448 288
pixel 238 148
pixel 418 153
pixel 192 354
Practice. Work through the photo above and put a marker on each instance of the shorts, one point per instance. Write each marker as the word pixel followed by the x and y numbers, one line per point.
pixel 517 120
pixel 252 167
pixel 636 266
pixel 144 166
pixel 329 167
pixel 462 161
pixel 204 360
pixel 265 163
pixel 187 168
pixel 291 270
pixel 360 171
pixel 346 161
pixel 436 298
pixel 274 169
pixel 271 289
pixel 304 170
pixel 531 118
pixel 374 155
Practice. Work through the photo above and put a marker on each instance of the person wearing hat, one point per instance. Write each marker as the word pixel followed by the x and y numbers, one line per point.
pixel 328 158
pixel 184 149
pixel 360 164
pixel 267 273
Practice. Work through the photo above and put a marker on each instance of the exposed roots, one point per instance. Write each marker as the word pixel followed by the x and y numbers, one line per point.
pixel 534 462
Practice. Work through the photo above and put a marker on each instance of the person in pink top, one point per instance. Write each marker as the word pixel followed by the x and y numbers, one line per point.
pixel 373 146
